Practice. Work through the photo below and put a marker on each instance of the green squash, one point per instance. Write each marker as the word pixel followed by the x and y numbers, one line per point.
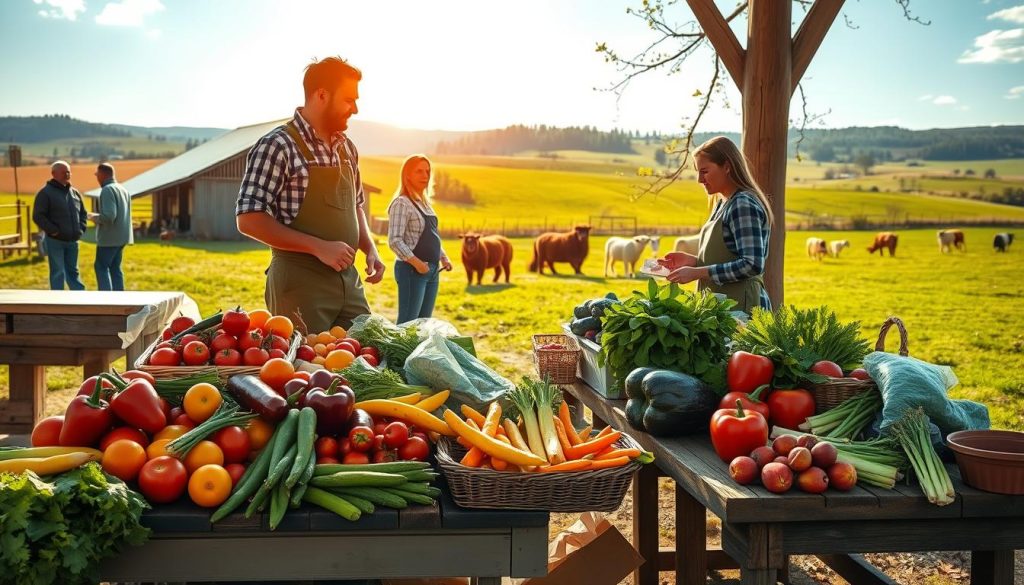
pixel 665 403
pixel 637 402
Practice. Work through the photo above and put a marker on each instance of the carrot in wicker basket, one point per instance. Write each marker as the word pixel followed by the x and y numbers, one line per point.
pixel 575 465
pixel 563 440
pixel 488 444
pixel 500 464
pixel 566 418
pixel 607 463
pixel 631 453
pixel 516 439
pixel 593 446
pixel 474 457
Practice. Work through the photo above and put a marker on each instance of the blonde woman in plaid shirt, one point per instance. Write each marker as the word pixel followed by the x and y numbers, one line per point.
pixel 415 240
pixel 734 241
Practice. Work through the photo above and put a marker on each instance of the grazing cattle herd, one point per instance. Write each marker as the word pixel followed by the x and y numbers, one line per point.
pixel 480 253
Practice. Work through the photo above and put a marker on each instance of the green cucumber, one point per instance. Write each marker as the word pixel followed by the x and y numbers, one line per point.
pixel 375 495
pixel 390 467
pixel 415 498
pixel 329 501
pixel 359 479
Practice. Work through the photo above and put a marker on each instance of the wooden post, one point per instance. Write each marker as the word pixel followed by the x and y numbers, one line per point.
pixel 766 90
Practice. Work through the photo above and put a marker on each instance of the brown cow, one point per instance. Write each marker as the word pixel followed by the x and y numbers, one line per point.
pixel 882 241
pixel 572 247
pixel 481 252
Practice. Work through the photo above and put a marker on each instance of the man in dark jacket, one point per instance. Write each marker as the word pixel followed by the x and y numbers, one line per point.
pixel 60 214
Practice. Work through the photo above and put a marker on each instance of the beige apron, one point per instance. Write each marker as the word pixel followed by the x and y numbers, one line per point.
pixel 747 292
pixel 297 281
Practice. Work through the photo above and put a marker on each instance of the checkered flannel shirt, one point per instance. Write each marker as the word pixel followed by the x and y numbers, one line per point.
pixel 745 230
pixel 406 225
pixel 276 174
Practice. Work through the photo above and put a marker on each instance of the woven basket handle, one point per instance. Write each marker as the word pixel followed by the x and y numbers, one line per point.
pixel 880 345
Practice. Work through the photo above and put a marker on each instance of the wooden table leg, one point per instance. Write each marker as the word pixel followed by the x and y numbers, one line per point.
pixel 27 401
pixel 691 540
pixel 645 523
pixel 95 363
pixel 486 581
pixel 992 566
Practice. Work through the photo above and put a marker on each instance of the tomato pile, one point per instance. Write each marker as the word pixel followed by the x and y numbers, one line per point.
pixel 334 350
pixel 236 338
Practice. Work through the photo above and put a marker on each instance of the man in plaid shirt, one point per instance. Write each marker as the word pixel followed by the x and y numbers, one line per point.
pixel 302 196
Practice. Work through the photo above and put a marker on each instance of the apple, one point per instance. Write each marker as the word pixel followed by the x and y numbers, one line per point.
pixel 859 373
pixel 813 480
pixel 743 470
pixel 800 458
pixel 777 477
pixel 842 476
pixel 827 368
pixel 763 455
pixel 783 444
pixel 824 455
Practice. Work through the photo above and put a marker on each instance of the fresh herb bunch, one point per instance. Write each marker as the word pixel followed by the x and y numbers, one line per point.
pixel 59 529
pixel 394 343
pixel 668 328
pixel 368 382
pixel 794 339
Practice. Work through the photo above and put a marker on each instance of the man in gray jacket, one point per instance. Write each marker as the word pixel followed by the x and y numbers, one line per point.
pixel 113 229
pixel 61 215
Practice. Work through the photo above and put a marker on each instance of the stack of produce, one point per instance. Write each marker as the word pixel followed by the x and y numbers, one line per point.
pixel 334 349
pixel 232 338
pixel 586 321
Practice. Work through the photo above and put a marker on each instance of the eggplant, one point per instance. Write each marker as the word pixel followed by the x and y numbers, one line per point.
pixel 254 394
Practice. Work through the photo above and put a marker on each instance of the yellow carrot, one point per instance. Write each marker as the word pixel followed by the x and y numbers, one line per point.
pixel 473 414
pixel 566 418
pixel 516 439
pixel 408 398
pixel 500 464
pixel 408 413
pixel 44 452
pixel 49 465
pixel 490 445
pixel 434 401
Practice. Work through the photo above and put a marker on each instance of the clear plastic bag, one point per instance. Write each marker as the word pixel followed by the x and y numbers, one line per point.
pixel 442 364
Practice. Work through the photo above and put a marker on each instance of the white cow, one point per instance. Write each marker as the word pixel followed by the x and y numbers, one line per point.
pixel 816 248
pixel 688 244
pixel 625 250
pixel 836 246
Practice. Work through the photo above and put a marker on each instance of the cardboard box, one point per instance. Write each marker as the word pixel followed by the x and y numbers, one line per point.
pixel 591 551
pixel 597 377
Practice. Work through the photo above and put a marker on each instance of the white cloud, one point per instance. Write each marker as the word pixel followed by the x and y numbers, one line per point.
pixel 944 100
pixel 1015 14
pixel 154 33
pixel 1015 93
pixel 996 46
pixel 926 98
pixel 128 12
pixel 66 9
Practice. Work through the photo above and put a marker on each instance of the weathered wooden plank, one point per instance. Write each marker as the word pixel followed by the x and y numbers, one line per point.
pixel 321 520
pixel 27 401
pixel 992 567
pixel 237 522
pixel 112 342
pixel 6 323
pixel 529 552
pixel 64 325
pixel 41 355
pixel 54 302
pixel 417 517
pixel 294 520
pixel 855 569
pixel 177 517
pixel 691 559
pixel 914 499
pixel 715 558
pixel 645 524
pixel 903 535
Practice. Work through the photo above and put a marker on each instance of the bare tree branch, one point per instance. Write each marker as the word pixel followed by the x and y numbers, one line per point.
pixel 806 119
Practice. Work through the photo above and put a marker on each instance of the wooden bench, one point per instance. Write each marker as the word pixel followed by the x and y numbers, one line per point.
pixel 311 543
pixel 761 529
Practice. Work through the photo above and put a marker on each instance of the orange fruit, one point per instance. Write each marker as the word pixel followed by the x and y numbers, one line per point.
pixel 276 372
pixel 209 485
pixel 171 432
pixel 204 453
pixel 123 459
pixel 258 318
pixel 280 325
pixel 311 339
pixel 338 359
pixel 324 337
pixel 319 360
pixel 201 401
pixel 331 347
pixel 338 332
pixel 157 448
pixel 320 349
pixel 259 432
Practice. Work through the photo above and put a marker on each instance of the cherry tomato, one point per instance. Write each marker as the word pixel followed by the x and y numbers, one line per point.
pixel 181 323
pixel 361 438
pixel 235 470
pixel 384 456
pixel 396 434
pixel 415 449
pixel 369 350
pixel 234 442
pixel 370 359
pixel 326 447
pixel 356 458
pixel 124 433
pixel 378 443
pixel 327 460
pixel 344 446
pixel 223 341
pixel 46 433
pixel 183 420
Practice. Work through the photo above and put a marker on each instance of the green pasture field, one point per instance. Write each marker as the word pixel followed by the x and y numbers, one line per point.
pixel 140 144
pixel 142 210
pixel 961 309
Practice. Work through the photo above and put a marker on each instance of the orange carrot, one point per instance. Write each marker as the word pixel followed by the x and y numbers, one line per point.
pixel 604 431
pixel 604 451
pixel 475 456
pixel 566 418
pixel 500 464
pixel 462 442
pixel 631 453
pixel 566 466
pixel 593 446
pixel 585 433
pixel 563 440
pixel 470 413
pixel 606 463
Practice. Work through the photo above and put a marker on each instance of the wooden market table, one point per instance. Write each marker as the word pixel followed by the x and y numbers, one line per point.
pixel 761 529
pixel 311 543
pixel 41 328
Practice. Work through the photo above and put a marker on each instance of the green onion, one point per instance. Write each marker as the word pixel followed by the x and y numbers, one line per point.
pixel 846 420
pixel 911 430
pixel 226 416
pixel 174 390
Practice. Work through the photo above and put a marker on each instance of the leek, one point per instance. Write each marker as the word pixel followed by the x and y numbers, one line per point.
pixel 523 399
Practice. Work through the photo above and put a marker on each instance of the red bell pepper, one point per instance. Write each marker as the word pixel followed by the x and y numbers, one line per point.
pixel 790 407
pixel 90 384
pixel 747 371
pixel 750 401
pixel 138 404
pixel 735 432
pixel 86 419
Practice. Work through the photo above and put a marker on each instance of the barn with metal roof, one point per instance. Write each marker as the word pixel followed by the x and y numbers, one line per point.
pixel 194 193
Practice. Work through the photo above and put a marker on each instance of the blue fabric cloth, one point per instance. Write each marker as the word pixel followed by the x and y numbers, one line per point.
pixel 745 230
pixel 416 292
pixel 108 267
pixel 114 224
pixel 63 258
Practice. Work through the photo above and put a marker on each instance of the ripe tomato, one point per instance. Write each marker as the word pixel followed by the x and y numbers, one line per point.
pixel 196 353
pixel 250 339
pixel 124 433
pixel 223 341
pixel 204 453
pixel 255 356
pixel 384 456
pixel 327 461
pixel 201 401
pixel 166 334
pixel 356 458
pixel 355 344
pixel 173 431
pixel 396 434
pixel 369 350
pixel 182 420
pixel 234 442
pixel 790 408
pixel 827 368
pixel 276 372
pixel 158 448
pixel 276 354
pixel 181 323
pixel 415 449
pixel 280 325
pixel 174 413
pixel 347 347
pixel 235 470
pixel 344 446
pixel 235 322
pixel 165 356
pixel 209 485
pixel 368 358
pixel 228 357
pixel 259 432
pixel 187 339
pixel 123 459
pixel 326 447
pixel 278 342
pixel 136 374
pixel 163 479
pixel 46 433
pixel 306 353
pixel 361 438
pixel 378 443
pixel 379 425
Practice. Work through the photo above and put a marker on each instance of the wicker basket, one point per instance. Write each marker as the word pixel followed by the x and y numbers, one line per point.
pixel 600 490
pixel 834 392
pixel 557 365
pixel 224 372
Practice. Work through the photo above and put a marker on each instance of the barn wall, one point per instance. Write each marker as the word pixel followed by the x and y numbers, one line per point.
pixel 213 216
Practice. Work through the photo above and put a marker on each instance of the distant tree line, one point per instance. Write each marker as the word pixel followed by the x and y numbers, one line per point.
pixel 451 190
pixel 54 127
pixel 892 143
pixel 518 138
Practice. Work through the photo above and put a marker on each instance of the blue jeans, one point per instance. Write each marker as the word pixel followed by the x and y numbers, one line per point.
pixel 416 292
pixel 63 264
pixel 108 268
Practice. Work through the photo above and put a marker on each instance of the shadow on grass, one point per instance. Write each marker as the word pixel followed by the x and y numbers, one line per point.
pixel 220 247
pixel 570 276
pixel 486 289
pixel 22 260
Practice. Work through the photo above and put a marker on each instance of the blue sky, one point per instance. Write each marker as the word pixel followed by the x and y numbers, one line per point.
pixel 467 65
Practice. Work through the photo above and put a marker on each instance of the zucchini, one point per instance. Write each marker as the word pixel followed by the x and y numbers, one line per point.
pixel 359 479
pixel 268 485
pixel 278 505
pixel 391 467
pixel 375 495
pixel 421 488
pixel 303 483
pixel 248 484
pixel 424 476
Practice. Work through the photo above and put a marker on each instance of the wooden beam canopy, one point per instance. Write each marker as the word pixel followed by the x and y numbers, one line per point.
pixel 721 36
pixel 808 37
